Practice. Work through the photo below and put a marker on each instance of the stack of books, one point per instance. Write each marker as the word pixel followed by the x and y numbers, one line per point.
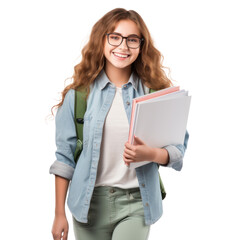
pixel 159 118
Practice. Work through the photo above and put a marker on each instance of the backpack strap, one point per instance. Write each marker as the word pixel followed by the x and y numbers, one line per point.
pixel 79 111
pixel 151 90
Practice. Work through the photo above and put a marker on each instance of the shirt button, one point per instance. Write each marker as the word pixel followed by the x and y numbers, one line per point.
pixel 143 185
pixel 147 204
pixel 128 103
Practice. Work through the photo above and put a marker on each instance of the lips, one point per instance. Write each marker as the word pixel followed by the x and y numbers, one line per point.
pixel 121 55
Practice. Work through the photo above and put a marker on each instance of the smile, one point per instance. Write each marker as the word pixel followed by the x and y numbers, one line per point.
pixel 121 55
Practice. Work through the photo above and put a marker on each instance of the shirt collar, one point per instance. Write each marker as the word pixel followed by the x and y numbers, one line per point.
pixel 102 80
pixel 134 80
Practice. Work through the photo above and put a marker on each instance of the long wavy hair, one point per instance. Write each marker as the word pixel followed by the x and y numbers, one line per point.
pixel 148 65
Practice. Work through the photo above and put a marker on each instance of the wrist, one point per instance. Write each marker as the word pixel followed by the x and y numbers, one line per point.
pixel 59 212
pixel 161 156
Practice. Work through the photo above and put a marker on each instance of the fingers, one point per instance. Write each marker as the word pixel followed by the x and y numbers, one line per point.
pixel 127 161
pixel 129 153
pixel 129 146
pixel 65 235
pixel 60 228
pixel 59 236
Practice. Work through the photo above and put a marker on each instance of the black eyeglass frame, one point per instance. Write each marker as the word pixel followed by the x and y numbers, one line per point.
pixel 141 40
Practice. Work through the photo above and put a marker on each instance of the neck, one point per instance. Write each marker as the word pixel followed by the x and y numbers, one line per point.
pixel 118 76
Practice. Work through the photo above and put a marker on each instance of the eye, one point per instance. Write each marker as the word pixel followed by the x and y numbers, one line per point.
pixel 133 40
pixel 114 37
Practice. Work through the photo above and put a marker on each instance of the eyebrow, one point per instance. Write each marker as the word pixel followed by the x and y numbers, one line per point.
pixel 131 35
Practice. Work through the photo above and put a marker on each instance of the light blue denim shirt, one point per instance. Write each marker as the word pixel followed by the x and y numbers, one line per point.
pixel 83 174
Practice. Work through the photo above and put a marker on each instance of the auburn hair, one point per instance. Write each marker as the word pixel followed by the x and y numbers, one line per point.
pixel 148 64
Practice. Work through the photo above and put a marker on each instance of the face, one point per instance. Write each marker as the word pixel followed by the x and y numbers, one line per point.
pixel 122 56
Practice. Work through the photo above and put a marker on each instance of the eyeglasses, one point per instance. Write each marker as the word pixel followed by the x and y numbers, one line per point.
pixel 132 41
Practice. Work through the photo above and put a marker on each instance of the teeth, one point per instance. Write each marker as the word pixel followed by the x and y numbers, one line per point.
pixel 120 55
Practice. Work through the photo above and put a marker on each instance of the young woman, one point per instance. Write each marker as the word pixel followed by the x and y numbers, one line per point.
pixel 106 198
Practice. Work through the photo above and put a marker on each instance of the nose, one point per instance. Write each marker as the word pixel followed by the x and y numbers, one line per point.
pixel 124 44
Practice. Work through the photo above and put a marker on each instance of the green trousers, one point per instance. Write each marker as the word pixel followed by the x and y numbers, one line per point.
pixel 114 214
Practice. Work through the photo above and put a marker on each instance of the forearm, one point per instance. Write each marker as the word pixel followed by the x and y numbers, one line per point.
pixel 143 152
pixel 61 187
pixel 160 156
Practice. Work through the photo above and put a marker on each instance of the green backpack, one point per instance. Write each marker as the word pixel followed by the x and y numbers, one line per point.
pixel 79 111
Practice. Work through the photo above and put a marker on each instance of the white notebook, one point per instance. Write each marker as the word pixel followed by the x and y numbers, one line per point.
pixel 161 121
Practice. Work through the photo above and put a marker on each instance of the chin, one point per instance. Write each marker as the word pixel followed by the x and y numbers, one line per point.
pixel 120 66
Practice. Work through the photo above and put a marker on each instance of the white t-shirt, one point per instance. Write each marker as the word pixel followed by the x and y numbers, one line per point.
pixel 112 170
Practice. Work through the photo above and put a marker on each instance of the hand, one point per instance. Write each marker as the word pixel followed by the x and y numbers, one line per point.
pixel 137 152
pixel 60 227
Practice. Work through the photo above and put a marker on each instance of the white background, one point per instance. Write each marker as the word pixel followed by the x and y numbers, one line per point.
pixel 41 41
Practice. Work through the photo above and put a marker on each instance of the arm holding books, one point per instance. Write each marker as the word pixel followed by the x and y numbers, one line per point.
pixel 141 151
pixel 159 121
pixel 170 156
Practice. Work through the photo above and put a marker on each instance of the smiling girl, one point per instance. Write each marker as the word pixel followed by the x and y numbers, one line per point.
pixel 106 198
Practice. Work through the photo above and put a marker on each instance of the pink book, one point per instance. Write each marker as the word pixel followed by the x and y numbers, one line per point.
pixel 147 97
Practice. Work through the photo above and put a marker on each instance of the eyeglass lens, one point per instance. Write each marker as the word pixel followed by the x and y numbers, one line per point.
pixel 116 40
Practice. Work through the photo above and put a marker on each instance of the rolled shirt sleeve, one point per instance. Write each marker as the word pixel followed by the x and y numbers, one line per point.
pixel 66 138
pixel 176 154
